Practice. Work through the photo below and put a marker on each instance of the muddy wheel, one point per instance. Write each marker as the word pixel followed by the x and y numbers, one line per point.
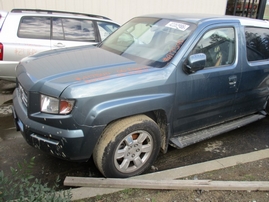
pixel 127 147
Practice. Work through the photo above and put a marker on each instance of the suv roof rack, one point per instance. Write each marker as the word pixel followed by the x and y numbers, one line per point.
pixel 19 10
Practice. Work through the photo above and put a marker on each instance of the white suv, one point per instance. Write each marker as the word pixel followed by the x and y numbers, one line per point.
pixel 24 32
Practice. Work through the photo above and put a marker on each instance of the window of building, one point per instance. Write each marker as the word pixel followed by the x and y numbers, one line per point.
pixel 218 46
pixel 246 8
pixel 257 43
pixel 266 11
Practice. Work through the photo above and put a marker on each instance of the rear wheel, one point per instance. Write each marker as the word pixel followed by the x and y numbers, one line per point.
pixel 127 147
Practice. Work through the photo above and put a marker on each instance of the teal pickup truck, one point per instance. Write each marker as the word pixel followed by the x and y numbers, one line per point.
pixel 158 80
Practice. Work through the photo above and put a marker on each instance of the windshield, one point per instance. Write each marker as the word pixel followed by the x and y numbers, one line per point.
pixel 149 41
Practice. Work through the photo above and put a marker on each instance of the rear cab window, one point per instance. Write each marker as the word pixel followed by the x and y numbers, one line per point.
pixel 257 43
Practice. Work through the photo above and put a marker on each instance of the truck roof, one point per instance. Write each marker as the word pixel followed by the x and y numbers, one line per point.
pixel 200 18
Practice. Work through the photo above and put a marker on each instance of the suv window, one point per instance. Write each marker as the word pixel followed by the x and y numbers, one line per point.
pixel 25 32
pixel 62 29
pixel 257 43
pixel 34 27
pixel 106 29
pixel 73 29
pixel 218 46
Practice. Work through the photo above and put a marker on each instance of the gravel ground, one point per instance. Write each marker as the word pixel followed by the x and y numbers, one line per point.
pixel 5 109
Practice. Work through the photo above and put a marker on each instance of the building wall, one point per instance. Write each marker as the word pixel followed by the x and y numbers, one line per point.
pixel 121 10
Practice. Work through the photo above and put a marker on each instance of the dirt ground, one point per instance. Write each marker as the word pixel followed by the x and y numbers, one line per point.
pixel 254 171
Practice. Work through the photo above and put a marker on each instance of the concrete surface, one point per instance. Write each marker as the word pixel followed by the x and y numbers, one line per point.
pixel 6 89
pixel 181 172
pixel 5 98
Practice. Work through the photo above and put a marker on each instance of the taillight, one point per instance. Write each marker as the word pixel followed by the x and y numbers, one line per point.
pixel 1 51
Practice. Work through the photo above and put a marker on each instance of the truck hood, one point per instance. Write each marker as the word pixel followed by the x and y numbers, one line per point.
pixel 58 69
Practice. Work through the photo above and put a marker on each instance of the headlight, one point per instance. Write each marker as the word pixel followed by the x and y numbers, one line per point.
pixel 56 106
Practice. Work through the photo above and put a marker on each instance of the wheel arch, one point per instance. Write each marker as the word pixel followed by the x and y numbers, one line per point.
pixel 156 106
pixel 160 117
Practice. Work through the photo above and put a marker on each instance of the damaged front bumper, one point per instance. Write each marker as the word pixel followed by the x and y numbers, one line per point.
pixel 65 144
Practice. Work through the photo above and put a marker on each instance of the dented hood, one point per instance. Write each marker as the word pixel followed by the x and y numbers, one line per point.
pixel 53 71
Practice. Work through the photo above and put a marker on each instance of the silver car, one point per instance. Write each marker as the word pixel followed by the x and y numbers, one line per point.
pixel 24 32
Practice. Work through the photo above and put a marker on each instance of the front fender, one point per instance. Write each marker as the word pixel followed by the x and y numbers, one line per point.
pixel 105 112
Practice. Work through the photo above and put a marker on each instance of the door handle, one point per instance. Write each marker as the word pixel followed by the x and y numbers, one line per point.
pixel 60 45
pixel 232 81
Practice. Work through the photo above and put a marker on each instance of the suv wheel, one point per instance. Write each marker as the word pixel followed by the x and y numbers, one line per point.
pixel 127 147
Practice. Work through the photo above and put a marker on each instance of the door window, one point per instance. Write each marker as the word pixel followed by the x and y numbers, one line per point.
pixel 218 46
pixel 73 30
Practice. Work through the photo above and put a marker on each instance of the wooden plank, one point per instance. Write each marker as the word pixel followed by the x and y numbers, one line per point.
pixel 167 184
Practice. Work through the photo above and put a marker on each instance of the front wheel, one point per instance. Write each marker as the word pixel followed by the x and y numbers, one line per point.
pixel 127 147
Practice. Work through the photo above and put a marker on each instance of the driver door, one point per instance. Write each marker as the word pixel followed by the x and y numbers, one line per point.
pixel 206 97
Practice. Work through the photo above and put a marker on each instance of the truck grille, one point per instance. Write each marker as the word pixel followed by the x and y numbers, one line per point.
pixel 23 95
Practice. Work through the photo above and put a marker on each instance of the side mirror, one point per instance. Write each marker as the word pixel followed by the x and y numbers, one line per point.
pixel 195 63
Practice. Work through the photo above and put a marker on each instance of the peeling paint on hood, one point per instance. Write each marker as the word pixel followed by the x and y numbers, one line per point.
pixel 63 67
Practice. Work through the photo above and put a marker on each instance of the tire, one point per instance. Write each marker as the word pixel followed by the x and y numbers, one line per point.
pixel 127 147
